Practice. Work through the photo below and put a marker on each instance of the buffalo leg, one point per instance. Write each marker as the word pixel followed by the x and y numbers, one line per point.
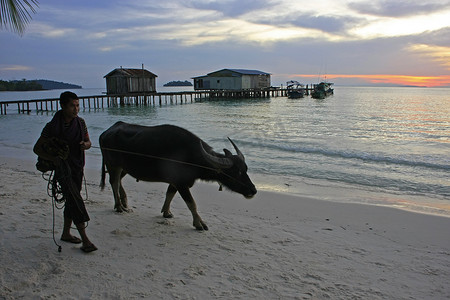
pixel 171 191
pixel 114 180
pixel 122 194
pixel 187 197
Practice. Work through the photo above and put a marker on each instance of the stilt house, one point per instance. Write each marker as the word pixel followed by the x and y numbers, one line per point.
pixel 232 79
pixel 126 81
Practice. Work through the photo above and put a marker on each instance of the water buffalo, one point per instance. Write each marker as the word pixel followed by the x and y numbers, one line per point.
pixel 170 154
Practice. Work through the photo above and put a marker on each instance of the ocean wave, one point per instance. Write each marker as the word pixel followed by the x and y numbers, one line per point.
pixel 352 154
pixel 372 181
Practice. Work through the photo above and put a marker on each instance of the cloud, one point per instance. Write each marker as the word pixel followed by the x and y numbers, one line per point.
pixel 50 31
pixel 397 8
pixel 439 37
pixel 395 27
pixel 232 8
pixel 14 68
pixel 439 54
pixel 309 20
pixel 325 23
pixel 197 22
pixel 211 31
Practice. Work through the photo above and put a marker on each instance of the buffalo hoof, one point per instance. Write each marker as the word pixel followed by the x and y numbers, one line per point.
pixel 167 215
pixel 121 209
pixel 201 227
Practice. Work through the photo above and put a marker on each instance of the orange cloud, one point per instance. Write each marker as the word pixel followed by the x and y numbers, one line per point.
pixel 424 81
pixel 439 54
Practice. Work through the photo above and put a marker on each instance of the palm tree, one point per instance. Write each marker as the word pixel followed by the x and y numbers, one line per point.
pixel 15 15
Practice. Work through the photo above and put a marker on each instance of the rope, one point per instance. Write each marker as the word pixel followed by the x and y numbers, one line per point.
pixel 158 157
pixel 54 191
pixel 171 160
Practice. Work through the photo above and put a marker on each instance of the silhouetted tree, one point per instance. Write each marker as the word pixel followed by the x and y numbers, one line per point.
pixel 15 15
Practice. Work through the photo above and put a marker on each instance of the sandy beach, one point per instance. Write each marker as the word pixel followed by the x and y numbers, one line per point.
pixel 273 246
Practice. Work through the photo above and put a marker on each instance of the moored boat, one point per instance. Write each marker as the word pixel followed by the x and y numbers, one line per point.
pixel 295 89
pixel 322 90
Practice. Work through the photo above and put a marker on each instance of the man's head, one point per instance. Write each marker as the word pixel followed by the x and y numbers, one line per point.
pixel 70 105
pixel 66 97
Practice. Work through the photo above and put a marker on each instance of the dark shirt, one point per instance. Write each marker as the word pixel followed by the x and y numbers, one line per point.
pixel 46 131
pixel 72 133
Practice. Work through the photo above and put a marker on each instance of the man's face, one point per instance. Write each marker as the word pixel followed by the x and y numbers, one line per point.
pixel 71 109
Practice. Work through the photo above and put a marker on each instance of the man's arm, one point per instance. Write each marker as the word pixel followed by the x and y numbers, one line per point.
pixel 85 144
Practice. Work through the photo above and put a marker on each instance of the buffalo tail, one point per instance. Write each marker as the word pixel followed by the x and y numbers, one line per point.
pixel 102 181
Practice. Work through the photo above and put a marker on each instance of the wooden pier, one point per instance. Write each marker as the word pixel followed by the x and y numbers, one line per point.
pixel 105 101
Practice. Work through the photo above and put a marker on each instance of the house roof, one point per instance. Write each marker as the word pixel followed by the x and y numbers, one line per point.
pixel 246 72
pixel 198 77
pixel 126 72
pixel 241 72
pixel 236 71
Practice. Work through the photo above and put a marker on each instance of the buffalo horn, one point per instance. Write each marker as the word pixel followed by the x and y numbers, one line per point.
pixel 219 162
pixel 239 153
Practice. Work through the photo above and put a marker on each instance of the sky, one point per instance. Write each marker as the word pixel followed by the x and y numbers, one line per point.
pixel 348 42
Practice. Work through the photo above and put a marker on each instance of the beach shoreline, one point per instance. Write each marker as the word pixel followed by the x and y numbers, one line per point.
pixel 320 191
pixel 272 246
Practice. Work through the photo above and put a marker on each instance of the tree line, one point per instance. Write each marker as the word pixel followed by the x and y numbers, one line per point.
pixel 20 85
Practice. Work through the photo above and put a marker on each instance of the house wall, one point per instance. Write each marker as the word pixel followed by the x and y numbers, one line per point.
pixel 124 85
pixel 255 81
pixel 246 82
pixel 140 84
pixel 225 83
pixel 116 85
pixel 201 83
pixel 218 83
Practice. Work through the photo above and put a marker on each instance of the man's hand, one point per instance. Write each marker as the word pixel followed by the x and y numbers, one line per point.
pixel 85 145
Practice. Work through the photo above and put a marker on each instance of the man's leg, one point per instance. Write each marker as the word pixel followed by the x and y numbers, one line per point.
pixel 66 235
pixel 88 246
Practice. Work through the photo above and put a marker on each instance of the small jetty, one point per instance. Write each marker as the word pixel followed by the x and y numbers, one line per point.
pixel 137 99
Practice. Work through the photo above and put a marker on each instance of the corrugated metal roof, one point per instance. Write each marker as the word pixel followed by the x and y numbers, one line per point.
pixel 248 72
pixel 126 72
pixel 239 72
pixel 198 77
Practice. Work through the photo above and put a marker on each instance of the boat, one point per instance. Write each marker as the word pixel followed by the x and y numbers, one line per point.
pixel 295 89
pixel 322 90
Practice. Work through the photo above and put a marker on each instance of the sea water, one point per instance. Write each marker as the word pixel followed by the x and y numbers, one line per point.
pixel 374 145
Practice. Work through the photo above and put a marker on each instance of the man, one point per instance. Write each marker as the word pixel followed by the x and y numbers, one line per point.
pixel 68 127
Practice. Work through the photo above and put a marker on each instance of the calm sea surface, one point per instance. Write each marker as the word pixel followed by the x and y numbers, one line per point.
pixel 383 146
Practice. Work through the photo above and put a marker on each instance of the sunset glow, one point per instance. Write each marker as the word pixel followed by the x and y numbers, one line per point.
pixel 406 80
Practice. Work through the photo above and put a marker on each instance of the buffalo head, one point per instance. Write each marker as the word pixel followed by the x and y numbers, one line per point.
pixel 232 170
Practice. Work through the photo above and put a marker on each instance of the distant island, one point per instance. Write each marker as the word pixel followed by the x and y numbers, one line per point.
pixel 35 85
pixel 55 85
pixel 178 83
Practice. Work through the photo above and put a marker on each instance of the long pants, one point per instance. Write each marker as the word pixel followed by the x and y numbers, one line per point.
pixel 71 181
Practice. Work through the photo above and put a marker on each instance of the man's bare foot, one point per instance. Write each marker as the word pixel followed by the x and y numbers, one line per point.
pixel 88 248
pixel 71 239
